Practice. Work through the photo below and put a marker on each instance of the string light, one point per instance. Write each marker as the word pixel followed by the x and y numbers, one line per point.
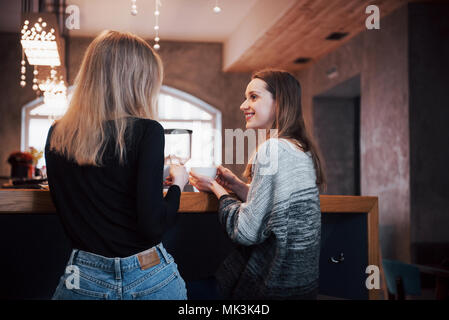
pixel 157 12
pixel 217 9
pixel 134 7
pixel 23 70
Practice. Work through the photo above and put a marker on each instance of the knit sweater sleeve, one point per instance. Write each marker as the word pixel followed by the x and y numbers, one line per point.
pixel 246 223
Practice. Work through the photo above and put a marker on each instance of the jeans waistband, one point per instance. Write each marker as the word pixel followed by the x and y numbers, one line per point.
pixel 80 257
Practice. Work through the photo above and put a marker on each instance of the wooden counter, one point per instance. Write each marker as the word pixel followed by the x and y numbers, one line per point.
pixel 39 201
pixel 355 219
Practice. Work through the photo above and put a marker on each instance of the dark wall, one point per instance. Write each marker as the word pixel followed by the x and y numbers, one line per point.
pixel 429 130
pixel 335 122
pixel 384 130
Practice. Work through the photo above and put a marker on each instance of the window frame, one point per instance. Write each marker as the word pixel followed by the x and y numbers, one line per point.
pixel 214 112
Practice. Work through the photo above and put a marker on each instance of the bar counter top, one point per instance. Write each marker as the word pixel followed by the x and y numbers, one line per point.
pixel 31 201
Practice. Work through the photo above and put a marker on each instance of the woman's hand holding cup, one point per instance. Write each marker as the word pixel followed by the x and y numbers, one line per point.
pixel 177 176
pixel 226 178
pixel 203 178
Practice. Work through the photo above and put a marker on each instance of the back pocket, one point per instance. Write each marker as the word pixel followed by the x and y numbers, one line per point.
pixel 164 290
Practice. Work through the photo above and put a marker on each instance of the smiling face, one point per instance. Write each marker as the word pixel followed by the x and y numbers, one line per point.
pixel 259 106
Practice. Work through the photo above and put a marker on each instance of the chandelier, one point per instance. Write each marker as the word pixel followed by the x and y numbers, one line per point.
pixel 55 90
pixel 39 44
pixel 40 47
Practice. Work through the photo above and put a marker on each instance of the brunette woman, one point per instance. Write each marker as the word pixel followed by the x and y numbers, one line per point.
pixel 275 220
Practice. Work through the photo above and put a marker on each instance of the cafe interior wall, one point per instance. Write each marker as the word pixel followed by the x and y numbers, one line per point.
pixel 192 67
pixel 403 109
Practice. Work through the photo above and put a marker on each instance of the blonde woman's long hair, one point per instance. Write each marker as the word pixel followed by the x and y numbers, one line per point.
pixel 120 78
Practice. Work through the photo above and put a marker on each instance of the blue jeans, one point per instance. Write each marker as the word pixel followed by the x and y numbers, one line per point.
pixel 90 276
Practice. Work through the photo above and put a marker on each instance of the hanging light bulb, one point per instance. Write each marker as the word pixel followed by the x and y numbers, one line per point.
pixel 23 69
pixel 157 4
pixel 217 9
pixel 134 7
pixel 35 73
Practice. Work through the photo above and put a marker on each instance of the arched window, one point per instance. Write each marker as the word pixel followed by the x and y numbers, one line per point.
pixel 37 117
pixel 180 110
pixel 176 110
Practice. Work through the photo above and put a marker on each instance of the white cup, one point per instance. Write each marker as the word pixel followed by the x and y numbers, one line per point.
pixel 210 172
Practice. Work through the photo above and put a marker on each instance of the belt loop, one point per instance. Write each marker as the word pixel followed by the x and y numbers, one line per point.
pixel 162 250
pixel 118 272
pixel 72 256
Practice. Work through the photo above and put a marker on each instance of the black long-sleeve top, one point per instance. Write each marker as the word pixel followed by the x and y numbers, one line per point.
pixel 115 210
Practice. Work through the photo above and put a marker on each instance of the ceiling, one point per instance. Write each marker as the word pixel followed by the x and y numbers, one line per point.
pixel 187 20
pixel 255 33
pixel 302 31
pixel 184 20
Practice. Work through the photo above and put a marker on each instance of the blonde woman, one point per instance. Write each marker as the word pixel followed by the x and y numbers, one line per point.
pixel 105 161
pixel 275 220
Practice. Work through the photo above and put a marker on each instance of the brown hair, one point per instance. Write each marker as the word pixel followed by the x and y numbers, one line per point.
pixel 119 78
pixel 289 121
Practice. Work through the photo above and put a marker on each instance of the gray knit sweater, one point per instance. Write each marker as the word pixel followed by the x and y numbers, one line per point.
pixel 277 230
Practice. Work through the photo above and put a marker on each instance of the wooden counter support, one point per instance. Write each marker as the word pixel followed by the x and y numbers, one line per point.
pixel 39 202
